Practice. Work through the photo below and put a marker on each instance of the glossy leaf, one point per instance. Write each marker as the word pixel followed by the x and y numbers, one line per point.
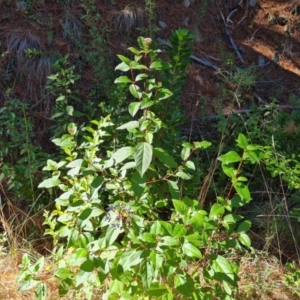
pixel 123 67
pixel 242 141
pixel 173 189
pixel 130 258
pixel 143 157
pixel 191 250
pixel 138 184
pixel 165 157
pixel 245 240
pixel 224 270
pixel 49 183
pixel 134 108
pixel 230 157
pixel 216 210
pixel 123 79
pixel 180 207
pixel 129 125
pixel 122 154
pixel 244 226
pixel 242 190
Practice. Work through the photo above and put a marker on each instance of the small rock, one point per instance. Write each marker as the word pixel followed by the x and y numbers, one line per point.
pixel 162 24
pixel 21 5
pixel 187 21
pixel 287 29
pixel 252 3
pixel 198 36
pixel 186 3
pixel 261 61
pixel 276 58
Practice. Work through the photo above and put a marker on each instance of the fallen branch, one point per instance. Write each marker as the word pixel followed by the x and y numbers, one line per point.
pixel 229 37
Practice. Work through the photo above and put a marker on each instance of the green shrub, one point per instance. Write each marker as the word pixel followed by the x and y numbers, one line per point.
pixel 122 225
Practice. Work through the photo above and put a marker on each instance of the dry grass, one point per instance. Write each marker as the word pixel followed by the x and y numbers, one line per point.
pixel 72 28
pixel 128 19
pixel 9 269
pixel 35 68
pixel 262 278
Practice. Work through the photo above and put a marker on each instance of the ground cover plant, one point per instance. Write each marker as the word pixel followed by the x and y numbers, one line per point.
pixel 158 168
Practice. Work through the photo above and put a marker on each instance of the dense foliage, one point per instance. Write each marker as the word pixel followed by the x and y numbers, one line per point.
pixel 135 207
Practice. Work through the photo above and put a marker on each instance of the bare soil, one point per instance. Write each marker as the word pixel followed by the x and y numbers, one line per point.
pixel 267 31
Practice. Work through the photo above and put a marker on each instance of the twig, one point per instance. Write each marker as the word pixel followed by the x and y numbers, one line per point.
pixel 230 39
pixel 244 111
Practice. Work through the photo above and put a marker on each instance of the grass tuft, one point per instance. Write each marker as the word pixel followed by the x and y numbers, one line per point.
pixel 35 66
pixel 128 19
pixel 71 26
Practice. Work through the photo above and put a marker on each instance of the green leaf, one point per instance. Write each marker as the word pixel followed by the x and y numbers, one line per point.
pixel 191 251
pixel 84 272
pixel 147 274
pixel 63 273
pixel 124 59
pixel 185 152
pixel 168 241
pixel 190 165
pixel 163 93
pixel 179 231
pixel 245 240
pixel 123 67
pixel 138 184
pixel 224 270
pixel 242 190
pixel 157 290
pixel 49 183
pixel 156 260
pixel 72 128
pixel 202 145
pixel 130 258
pixel 216 210
pixel 160 65
pixel 148 237
pixel 244 226
pixel 253 156
pixel 95 186
pixel 230 157
pixel 143 157
pixel 184 284
pixel 173 189
pixel 237 201
pixel 64 286
pixel 180 207
pixel 129 125
pixel 165 157
pixel 135 91
pixel 161 203
pixel 242 141
pixel 123 79
pixel 41 291
pixel 122 154
pixel 128 165
pixel 134 108
pixel 75 163
pixel 141 76
pixel 112 234
pixel 183 175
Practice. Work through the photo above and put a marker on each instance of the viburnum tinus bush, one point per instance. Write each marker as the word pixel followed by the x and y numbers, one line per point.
pixel 122 226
